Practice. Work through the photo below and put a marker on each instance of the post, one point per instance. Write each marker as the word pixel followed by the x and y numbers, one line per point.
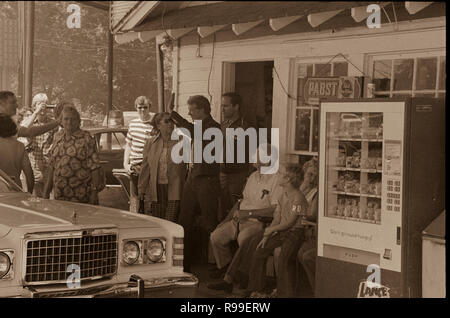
pixel 21 53
pixel 109 103
pixel 110 74
pixel 160 76
pixel 29 48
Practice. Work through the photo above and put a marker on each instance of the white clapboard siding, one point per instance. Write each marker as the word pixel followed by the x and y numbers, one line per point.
pixel 356 43
pixel 193 75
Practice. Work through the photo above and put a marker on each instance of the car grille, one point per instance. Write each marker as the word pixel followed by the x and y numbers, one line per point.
pixel 47 260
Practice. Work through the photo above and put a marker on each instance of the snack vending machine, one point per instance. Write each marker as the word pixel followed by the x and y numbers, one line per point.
pixel 382 181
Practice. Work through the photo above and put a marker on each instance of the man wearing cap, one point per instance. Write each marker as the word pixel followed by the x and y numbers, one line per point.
pixel 139 131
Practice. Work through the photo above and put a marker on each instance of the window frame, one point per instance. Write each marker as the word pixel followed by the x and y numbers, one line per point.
pixel 436 53
pixel 294 107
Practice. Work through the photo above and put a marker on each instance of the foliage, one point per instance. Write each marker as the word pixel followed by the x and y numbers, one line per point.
pixel 72 63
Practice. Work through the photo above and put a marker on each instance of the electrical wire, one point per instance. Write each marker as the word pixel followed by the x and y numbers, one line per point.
pixel 318 75
pixel 211 66
pixel 281 84
pixel 162 24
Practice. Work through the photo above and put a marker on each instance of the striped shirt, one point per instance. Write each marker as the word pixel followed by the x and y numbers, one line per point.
pixel 138 133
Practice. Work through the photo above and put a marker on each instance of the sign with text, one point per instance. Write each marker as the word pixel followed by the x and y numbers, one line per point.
pixel 316 88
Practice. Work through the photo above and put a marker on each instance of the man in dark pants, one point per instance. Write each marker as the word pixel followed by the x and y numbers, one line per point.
pixel 232 175
pixel 202 188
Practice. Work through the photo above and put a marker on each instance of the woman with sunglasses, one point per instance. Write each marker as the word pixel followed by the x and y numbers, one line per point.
pixel 163 177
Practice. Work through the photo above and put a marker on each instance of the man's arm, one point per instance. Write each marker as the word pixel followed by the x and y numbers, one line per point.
pixel 36 130
pixel 181 122
pixel 126 157
pixel 27 122
pixel 255 213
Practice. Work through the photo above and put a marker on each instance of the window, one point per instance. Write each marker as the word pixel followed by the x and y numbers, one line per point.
pixel 117 141
pixel 411 76
pixel 305 135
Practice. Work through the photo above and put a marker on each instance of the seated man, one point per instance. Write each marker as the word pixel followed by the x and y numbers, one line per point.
pixel 260 196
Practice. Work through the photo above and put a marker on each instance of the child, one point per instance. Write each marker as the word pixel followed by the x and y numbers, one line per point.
pixel 286 230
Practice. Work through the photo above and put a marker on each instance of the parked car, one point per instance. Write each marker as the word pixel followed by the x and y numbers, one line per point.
pixel 51 248
pixel 111 147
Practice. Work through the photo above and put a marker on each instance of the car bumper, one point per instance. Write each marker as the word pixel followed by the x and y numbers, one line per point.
pixel 168 287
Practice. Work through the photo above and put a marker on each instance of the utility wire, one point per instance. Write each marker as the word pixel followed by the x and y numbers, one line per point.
pixel 211 66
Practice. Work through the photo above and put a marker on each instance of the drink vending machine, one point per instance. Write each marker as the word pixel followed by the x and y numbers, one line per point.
pixel 382 181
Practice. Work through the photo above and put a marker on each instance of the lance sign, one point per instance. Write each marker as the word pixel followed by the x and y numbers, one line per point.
pixel 330 87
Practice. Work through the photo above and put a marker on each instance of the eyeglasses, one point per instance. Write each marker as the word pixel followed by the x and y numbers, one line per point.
pixel 166 121
pixel 142 107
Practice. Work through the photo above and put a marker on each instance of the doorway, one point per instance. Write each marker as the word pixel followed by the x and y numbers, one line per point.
pixel 253 81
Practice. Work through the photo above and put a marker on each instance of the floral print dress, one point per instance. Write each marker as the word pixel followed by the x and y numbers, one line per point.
pixel 73 159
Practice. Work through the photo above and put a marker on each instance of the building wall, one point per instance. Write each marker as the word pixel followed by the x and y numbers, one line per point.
pixel 197 71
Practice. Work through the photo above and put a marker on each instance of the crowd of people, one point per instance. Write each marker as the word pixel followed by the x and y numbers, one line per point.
pixel 248 215
pixel 51 151
pixel 263 214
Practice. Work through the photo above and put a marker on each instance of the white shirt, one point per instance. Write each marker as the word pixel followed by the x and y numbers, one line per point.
pixel 253 197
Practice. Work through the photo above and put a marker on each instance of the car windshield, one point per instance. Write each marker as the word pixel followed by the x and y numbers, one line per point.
pixel 7 185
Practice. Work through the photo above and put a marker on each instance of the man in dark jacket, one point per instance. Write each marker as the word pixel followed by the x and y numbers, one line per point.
pixel 202 188
pixel 233 174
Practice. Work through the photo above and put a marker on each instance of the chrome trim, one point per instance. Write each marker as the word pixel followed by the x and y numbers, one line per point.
pixel 188 280
pixel 11 254
pixel 29 237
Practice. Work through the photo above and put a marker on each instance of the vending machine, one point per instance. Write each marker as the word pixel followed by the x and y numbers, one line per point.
pixel 382 181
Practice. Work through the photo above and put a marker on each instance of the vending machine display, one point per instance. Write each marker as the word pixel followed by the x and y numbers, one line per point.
pixel 376 190
pixel 354 166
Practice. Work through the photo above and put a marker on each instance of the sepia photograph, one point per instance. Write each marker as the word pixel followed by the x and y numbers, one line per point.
pixel 224 154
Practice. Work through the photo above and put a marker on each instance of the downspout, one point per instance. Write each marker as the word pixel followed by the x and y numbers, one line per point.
pixel 160 75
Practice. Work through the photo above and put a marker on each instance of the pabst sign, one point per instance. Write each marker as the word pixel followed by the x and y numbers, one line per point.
pixel 330 87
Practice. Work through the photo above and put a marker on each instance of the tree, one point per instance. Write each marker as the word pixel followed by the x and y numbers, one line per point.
pixel 72 63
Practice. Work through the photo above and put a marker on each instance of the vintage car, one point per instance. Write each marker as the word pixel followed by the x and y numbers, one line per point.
pixel 51 248
pixel 111 147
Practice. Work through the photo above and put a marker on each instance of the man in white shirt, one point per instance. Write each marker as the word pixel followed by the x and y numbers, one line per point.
pixel 138 133
pixel 260 196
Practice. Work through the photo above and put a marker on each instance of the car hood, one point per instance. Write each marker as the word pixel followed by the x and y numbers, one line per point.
pixel 21 210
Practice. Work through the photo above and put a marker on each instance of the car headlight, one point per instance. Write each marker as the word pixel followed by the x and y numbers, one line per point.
pixel 5 264
pixel 155 250
pixel 130 252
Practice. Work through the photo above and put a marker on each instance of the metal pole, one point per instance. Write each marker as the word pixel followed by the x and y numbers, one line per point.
pixel 160 76
pixel 110 73
pixel 29 53
pixel 21 53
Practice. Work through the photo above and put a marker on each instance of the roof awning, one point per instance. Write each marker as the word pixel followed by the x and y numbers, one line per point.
pixel 241 17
